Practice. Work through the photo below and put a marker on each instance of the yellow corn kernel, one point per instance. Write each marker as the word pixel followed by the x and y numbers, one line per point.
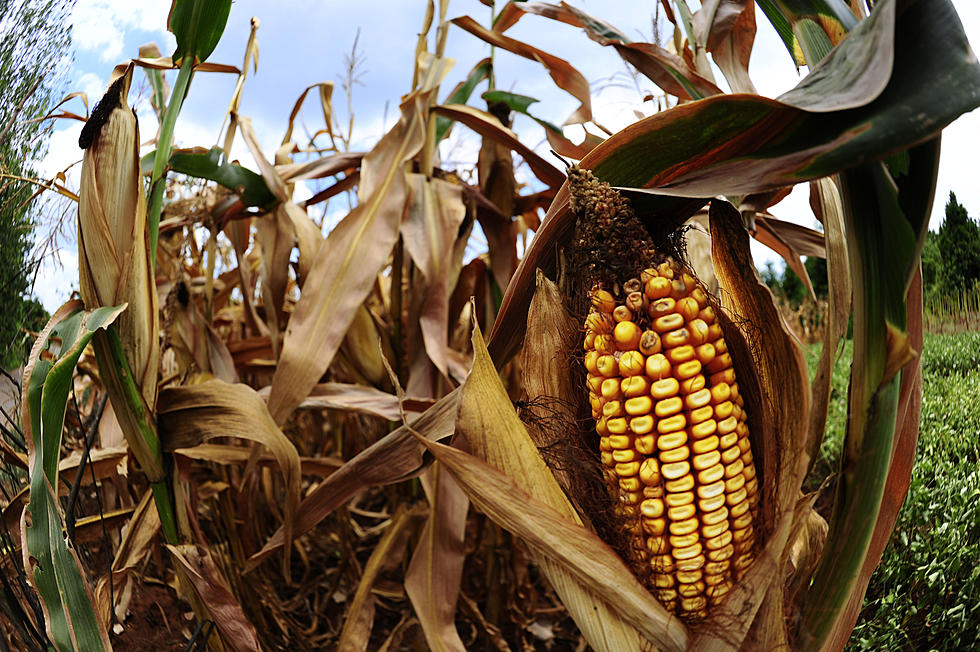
pixel 631 363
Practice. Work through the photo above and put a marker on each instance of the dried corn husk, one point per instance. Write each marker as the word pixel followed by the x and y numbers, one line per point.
pixel 113 254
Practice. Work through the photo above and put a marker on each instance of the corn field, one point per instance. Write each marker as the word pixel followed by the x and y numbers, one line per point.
pixel 251 431
pixel 954 311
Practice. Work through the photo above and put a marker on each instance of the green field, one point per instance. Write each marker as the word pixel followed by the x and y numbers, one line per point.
pixel 926 593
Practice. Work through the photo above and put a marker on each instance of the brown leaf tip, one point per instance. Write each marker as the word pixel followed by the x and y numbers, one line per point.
pixel 100 114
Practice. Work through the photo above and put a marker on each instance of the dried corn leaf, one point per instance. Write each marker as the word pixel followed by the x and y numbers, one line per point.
pixel 773 370
pixel 212 590
pixel 434 574
pixel 667 70
pixel 387 555
pixel 394 458
pixel 435 214
pixel 350 259
pixel 565 76
pixel 490 127
pixel 190 415
pixel 138 538
pixel 826 200
pixel 507 479
pixel 726 28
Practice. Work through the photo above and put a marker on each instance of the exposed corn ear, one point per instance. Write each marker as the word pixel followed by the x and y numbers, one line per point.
pixel 673 433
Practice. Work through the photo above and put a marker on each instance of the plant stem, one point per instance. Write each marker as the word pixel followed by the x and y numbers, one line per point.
pixel 162 156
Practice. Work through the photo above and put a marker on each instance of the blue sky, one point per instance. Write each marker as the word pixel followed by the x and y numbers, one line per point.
pixel 302 42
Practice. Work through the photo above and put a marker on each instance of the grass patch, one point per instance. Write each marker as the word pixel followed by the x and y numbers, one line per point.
pixel 925 595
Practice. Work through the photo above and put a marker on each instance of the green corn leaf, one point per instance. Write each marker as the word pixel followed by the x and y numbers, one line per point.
pixel 809 28
pixel 251 187
pixel 520 104
pixel 461 94
pixel 198 25
pixel 72 621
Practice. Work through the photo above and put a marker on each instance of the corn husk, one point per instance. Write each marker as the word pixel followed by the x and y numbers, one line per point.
pixel 113 254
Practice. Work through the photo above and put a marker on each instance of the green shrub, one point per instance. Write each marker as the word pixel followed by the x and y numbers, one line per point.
pixel 925 595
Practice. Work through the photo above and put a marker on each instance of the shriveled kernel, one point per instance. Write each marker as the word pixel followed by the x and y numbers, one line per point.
pixel 632 285
pixel 636 302
pixel 599 322
pixel 631 363
pixel 603 301
pixel 662 307
pixel 650 342
pixel 648 274
pixel 678 289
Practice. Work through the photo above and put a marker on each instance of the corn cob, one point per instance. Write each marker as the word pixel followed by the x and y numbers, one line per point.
pixel 673 436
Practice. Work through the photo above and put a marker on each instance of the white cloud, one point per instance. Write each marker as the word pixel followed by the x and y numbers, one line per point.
pixel 101 25
pixel 93 86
